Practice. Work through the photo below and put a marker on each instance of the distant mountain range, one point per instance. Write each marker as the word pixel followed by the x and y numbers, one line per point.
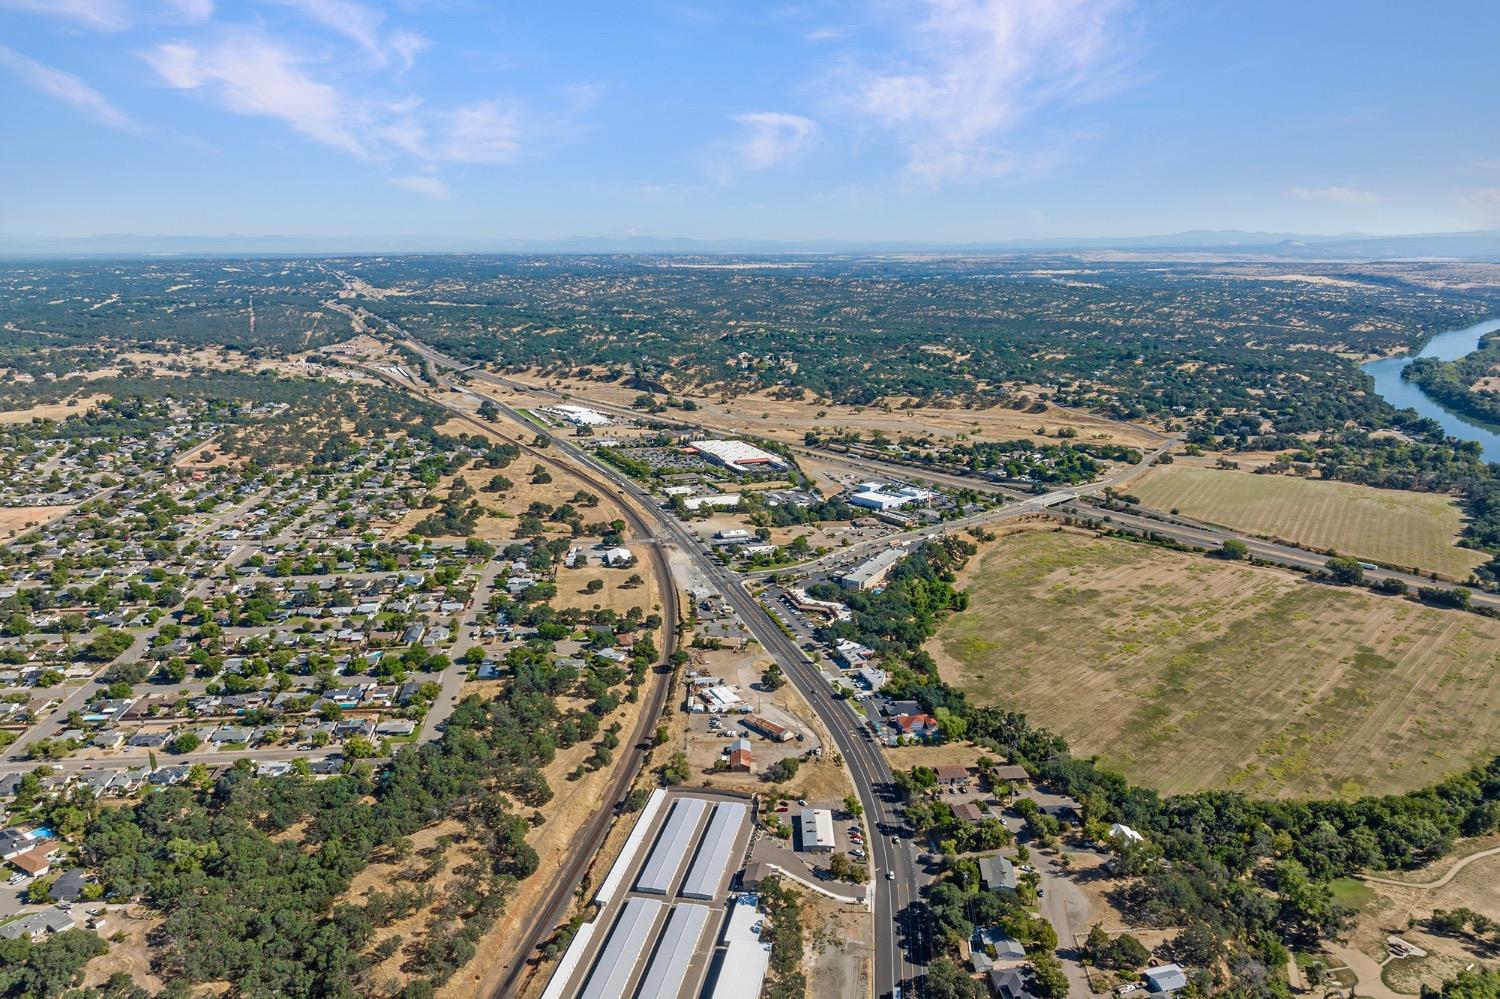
pixel 1230 243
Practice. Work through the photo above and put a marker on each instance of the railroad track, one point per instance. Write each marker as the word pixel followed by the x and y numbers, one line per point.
pixel 520 964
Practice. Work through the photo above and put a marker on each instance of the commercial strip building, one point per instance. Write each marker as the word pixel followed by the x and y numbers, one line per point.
pixel 578 416
pixel 872 572
pixel 662 905
pixel 816 828
pixel 737 456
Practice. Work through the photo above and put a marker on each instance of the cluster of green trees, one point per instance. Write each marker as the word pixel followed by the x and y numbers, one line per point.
pixel 1132 342
pixel 48 966
pixel 918 593
pixel 786 979
pixel 1452 382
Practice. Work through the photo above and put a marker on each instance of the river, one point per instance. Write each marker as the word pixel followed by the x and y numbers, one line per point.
pixel 1402 394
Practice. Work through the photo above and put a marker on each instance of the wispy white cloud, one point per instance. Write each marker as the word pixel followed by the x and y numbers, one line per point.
pixel 423 184
pixel 1336 195
pixel 771 138
pixel 252 75
pixel 67 88
pixel 363 25
pixel 192 11
pixel 97 15
pixel 482 132
pixel 969 73
pixel 1483 203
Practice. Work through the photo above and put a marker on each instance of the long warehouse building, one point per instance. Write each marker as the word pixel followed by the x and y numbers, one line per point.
pixel 621 953
pixel 679 942
pixel 703 877
pixel 672 844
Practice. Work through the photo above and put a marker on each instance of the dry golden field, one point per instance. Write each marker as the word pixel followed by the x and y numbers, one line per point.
pixel 1402 528
pixel 788 420
pixel 1188 673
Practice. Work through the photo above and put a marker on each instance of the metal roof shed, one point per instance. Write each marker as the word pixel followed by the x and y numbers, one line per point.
pixel 672 845
pixel 622 951
pixel 703 877
pixel 679 942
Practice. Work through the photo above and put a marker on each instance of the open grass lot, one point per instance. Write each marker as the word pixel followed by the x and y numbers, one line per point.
pixel 1187 673
pixel 1387 525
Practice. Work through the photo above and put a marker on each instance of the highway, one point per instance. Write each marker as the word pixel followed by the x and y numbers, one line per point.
pixel 901 944
pixel 900 925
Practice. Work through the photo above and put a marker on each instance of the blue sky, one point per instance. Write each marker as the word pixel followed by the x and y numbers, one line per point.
pixel 866 119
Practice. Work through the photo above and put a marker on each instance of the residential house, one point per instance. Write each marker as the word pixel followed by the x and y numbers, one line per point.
pixel 35 862
pixel 997 874
pixel 37 924
pixel 69 885
pixel 968 811
pixel 1165 979
pixel 1013 983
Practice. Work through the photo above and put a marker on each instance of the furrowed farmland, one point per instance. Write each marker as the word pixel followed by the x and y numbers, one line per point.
pixel 1405 529
pixel 1187 673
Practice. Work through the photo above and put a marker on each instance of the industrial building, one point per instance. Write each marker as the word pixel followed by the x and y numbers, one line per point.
pixel 737 456
pixel 672 844
pixel 707 873
pixel 623 950
pixel 882 497
pixel 578 416
pixel 874 571
pixel 718 501
pixel 740 968
pixel 767 728
pixel 658 927
pixel 674 954
pixel 741 757
pixel 816 825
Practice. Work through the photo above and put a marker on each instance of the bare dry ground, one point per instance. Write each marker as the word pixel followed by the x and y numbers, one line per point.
pixel 514 501
pixel 572 586
pixel 788 420
pixel 1406 529
pixel 130 953
pixel 15 519
pixel 1187 673
pixel 1386 910
pixel 53 410
pixel 838 947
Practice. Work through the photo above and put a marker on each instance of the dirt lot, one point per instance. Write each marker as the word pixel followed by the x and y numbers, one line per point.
pixel 1187 673
pixel 15 519
pixel 837 945
pixel 53 410
pixel 130 954
pixel 759 414
pixel 949 754
pixel 1387 909
pixel 1386 525
pixel 830 535
pixel 515 500
pixel 616 596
